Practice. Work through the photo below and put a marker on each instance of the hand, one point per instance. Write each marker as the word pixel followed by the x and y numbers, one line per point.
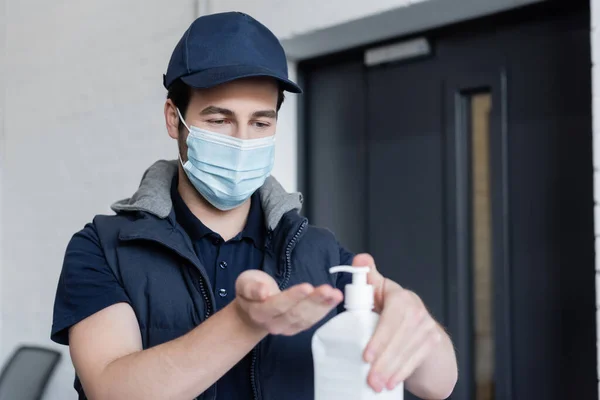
pixel 263 306
pixel 405 335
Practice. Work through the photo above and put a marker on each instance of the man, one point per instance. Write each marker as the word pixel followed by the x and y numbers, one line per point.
pixel 207 283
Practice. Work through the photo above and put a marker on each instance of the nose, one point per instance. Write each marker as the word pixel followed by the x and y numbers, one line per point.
pixel 241 131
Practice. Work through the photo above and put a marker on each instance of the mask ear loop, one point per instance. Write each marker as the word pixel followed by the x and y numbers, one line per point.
pixel 182 120
pixel 187 127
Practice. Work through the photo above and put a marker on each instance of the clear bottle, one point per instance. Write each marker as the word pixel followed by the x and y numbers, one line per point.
pixel 338 346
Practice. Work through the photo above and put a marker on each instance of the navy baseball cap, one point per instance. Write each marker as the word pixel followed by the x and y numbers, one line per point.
pixel 220 48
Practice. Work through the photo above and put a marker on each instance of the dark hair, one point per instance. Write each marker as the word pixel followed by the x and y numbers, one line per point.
pixel 180 95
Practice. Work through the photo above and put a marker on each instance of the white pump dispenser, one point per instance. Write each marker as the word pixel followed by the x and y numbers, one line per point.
pixel 338 346
pixel 357 295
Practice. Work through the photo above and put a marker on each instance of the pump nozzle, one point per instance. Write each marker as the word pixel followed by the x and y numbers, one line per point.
pixel 359 274
pixel 358 295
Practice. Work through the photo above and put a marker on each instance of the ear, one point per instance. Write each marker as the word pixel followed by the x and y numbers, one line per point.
pixel 172 119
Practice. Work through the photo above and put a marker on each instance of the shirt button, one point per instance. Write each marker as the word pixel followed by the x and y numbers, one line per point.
pixel 216 241
pixel 223 264
pixel 223 292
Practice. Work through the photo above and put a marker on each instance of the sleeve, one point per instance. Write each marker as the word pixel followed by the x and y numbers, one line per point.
pixel 86 284
pixel 344 278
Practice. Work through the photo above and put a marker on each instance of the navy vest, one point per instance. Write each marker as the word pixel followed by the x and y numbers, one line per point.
pixel 154 260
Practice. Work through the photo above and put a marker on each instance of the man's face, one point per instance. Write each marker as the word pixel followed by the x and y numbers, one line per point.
pixel 244 109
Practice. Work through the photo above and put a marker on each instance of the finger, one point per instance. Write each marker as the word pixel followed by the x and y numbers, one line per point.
pixel 307 312
pixel 415 359
pixel 384 347
pixel 393 318
pixel 304 319
pixel 401 349
pixel 255 285
pixel 322 300
pixel 263 312
pixel 284 301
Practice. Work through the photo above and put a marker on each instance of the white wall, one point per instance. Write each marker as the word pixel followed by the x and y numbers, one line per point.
pixel 82 119
pixel 2 80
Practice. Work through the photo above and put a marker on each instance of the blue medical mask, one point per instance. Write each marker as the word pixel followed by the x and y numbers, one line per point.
pixel 225 170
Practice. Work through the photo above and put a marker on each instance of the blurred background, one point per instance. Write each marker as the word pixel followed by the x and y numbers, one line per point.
pixel 452 139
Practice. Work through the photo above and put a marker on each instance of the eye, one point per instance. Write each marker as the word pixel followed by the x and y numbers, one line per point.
pixel 261 125
pixel 217 121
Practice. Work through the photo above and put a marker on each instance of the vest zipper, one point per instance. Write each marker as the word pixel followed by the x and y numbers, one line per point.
pixel 207 300
pixel 282 286
pixel 203 283
pixel 253 374
pixel 288 256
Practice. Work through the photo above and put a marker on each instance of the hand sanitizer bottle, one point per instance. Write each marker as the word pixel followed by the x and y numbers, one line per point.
pixel 338 346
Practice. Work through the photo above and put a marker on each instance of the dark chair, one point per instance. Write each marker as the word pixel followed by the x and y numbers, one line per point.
pixel 27 372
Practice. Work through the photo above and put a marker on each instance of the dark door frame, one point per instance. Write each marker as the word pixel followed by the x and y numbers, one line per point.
pixel 457 136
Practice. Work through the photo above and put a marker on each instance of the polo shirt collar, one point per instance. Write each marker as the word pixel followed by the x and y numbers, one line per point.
pixel 254 230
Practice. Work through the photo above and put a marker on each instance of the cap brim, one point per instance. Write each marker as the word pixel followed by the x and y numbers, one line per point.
pixel 216 76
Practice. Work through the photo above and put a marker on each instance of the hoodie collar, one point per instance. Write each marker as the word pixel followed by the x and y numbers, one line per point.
pixel 154 195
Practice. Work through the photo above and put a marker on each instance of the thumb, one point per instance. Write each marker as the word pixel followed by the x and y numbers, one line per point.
pixel 366 260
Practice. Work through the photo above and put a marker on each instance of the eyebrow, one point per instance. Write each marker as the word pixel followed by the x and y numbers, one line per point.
pixel 272 114
pixel 213 110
